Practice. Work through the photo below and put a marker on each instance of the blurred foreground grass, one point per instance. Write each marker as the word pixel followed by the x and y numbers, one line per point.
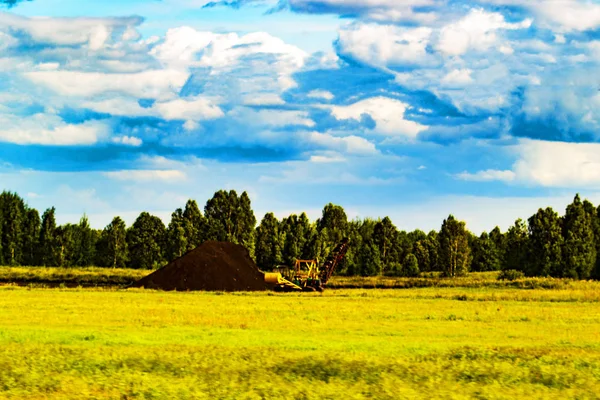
pixel 352 344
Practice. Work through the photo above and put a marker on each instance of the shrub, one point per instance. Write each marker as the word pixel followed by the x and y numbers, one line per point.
pixel 510 275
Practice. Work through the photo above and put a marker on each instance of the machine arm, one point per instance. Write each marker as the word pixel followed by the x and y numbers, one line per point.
pixel 333 260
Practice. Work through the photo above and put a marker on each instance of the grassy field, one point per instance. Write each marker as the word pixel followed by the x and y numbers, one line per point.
pixel 487 343
pixel 90 276
pixel 108 277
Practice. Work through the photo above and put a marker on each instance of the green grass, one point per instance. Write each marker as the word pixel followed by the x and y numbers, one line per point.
pixel 353 344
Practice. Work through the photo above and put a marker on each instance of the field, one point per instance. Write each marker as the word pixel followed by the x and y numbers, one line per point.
pixel 120 278
pixel 436 342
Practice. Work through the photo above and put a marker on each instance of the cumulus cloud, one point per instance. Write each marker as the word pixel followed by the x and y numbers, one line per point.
pixel 127 140
pixel 321 94
pixel 271 118
pixel 346 145
pixel 196 109
pixel 387 113
pixel 49 130
pixel 560 15
pixel 386 45
pixel 147 84
pixel 558 164
pixel 487 176
pixel 476 31
pixel 459 77
pixel 147 175
pixel 94 33
pixel 549 164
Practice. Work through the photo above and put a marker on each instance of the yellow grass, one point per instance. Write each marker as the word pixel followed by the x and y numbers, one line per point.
pixel 387 344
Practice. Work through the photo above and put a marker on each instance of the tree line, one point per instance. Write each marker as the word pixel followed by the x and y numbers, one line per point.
pixel 546 245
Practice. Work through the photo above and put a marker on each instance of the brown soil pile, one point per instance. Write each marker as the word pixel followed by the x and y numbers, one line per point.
pixel 217 266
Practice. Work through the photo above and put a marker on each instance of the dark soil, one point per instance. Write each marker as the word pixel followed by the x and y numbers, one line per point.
pixel 216 266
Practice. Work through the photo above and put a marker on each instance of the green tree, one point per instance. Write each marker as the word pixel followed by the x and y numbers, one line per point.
pixel 334 222
pixel 546 244
pixel 416 236
pixel 245 224
pixel 384 235
pixel 67 243
pixel 410 267
pixel 402 246
pixel 31 236
pixel 269 243
pixel 297 232
pixel 195 225
pixel 112 246
pixel 352 264
pixel 517 247
pixel 49 246
pixel 177 235
pixel 230 218
pixel 12 211
pixel 369 259
pixel 146 242
pixel 454 251
pixel 85 242
pixel 579 250
pixel 220 212
pixel 486 256
pixel 319 246
pixel 499 240
pixel 421 253
pixel 433 246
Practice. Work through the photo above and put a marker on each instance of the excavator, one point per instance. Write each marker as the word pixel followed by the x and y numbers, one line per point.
pixel 307 275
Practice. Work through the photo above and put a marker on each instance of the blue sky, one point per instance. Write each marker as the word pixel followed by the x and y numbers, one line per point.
pixel 414 109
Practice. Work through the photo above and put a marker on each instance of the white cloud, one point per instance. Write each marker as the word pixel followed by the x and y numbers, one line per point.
pixel 147 175
pixel 346 145
pixel 270 118
pixel 387 113
pixel 327 158
pixel 558 164
pixel 549 164
pixel 127 140
pixel 147 84
pixel 231 57
pixel 181 109
pixel 194 109
pixel 311 172
pixel 262 99
pixel 386 45
pixel 560 15
pixel 487 175
pixel 91 32
pixel 191 125
pixel 458 77
pixel 477 31
pixel 49 130
pixel 320 94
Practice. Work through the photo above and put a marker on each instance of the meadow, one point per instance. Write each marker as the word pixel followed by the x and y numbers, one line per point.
pixel 432 342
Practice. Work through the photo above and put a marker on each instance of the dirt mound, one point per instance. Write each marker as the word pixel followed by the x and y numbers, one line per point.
pixel 215 266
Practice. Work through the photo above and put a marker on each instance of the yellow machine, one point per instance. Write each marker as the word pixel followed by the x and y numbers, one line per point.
pixel 306 274
pixel 275 278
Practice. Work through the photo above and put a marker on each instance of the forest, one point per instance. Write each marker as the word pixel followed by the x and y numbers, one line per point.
pixel 547 244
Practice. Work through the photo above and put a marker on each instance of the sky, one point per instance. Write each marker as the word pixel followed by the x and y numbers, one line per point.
pixel 414 109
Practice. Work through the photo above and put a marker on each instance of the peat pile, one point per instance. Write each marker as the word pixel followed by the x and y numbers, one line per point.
pixel 217 266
